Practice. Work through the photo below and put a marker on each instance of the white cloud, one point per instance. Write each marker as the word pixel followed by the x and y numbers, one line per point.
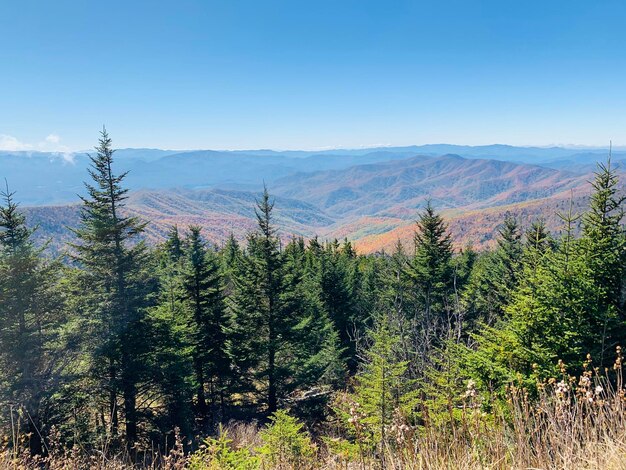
pixel 51 144
pixel 53 139
pixel 8 142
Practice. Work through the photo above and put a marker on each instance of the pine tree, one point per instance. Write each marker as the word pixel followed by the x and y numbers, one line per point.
pixel 382 389
pixel 115 288
pixel 208 324
pixel 603 244
pixel 172 357
pixel 30 309
pixel 494 277
pixel 282 342
pixel 263 329
pixel 432 283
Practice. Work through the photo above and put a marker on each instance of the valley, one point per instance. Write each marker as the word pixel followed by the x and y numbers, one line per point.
pixel 371 198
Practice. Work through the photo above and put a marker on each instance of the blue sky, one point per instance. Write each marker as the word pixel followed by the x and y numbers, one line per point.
pixel 311 74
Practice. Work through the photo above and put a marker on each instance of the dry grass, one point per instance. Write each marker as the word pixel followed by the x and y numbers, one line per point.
pixel 572 423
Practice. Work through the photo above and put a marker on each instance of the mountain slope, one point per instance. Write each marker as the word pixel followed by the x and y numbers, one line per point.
pixel 219 212
pixel 398 188
pixel 56 178
pixel 373 204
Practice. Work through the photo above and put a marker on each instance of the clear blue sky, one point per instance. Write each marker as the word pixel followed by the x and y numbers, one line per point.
pixel 311 74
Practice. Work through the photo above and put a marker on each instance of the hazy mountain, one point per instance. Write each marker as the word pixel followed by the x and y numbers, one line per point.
pixel 54 178
pixel 373 204
pixel 399 188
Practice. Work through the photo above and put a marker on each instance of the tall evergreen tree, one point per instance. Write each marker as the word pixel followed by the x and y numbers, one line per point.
pixel 432 282
pixel 114 288
pixel 603 245
pixel 208 325
pixel 431 268
pixel 282 340
pixel 317 351
pixel 337 279
pixel 494 277
pixel 30 310
pixel 172 357
pixel 264 328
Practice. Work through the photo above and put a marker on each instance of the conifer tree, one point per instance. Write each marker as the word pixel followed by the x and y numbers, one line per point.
pixel 208 324
pixel 337 280
pixel 430 267
pixel 432 281
pixel 537 242
pixel 281 339
pixel 264 328
pixel 494 277
pixel 508 257
pixel 114 289
pixel 563 307
pixel 317 351
pixel 603 245
pixel 30 309
pixel 230 256
pixel 172 355
pixel 382 388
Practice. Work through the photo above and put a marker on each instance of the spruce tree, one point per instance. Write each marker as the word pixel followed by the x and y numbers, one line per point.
pixel 30 308
pixel 337 280
pixel 263 328
pixel 508 257
pixel 603 245
pixel 230 260
pixel 494 278
pixel 281 341
pixel 383 392
pixel 172 359
pixel 208 324
pixel 431 274
pixel 537 242
pixel 115 289
pixel 431 268
pixel 317 351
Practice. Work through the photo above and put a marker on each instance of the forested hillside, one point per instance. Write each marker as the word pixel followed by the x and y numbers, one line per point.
pixel 371 204
pixel 274 351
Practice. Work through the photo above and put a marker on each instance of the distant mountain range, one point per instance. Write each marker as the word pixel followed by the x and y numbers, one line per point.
pixel 371 196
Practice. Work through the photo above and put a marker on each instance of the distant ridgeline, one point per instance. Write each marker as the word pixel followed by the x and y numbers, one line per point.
pixel 370 196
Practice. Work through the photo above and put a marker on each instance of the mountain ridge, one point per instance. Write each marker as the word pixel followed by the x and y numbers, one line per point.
pixel 370 204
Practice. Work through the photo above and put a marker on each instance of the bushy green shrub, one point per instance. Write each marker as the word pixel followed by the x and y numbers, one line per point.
pixel 286 444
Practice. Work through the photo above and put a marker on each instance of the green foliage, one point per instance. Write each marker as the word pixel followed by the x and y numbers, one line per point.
pixel 567 302
pixel 207 323
pixel 337 274
pixel 114 288
pixel 294 345
pixel 286 444
pixel 218 454
pixel 494 278
pixel 431 267
pixel 172 353
pixel 31 311
pixel 382 391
